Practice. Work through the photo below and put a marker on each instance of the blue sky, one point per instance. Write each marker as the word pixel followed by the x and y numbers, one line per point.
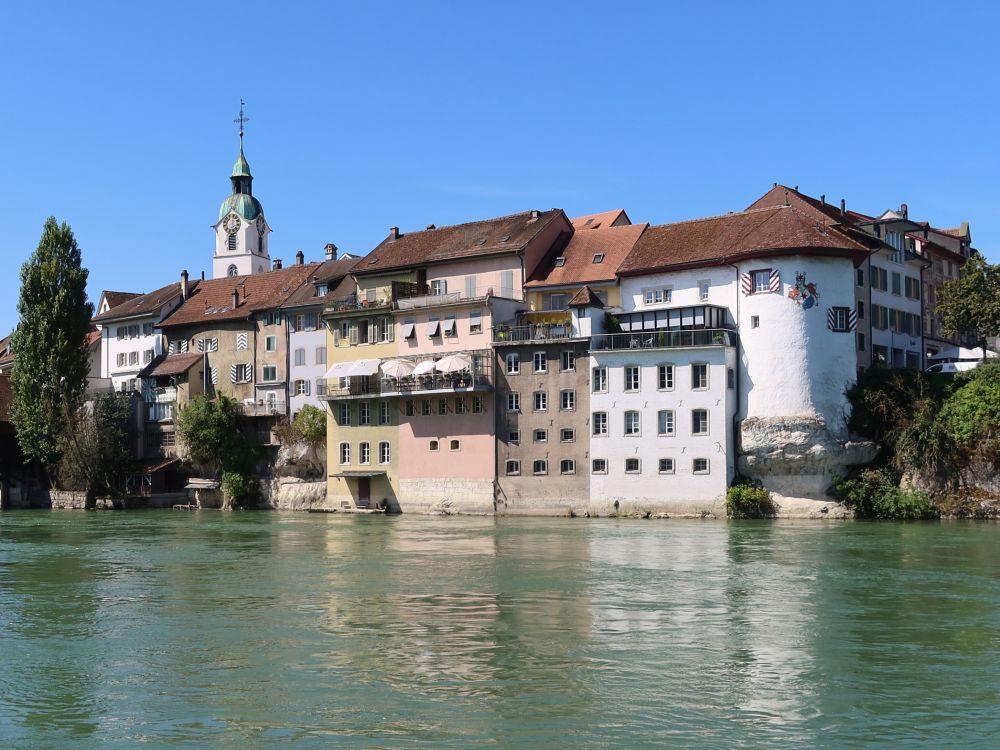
pixel 117 118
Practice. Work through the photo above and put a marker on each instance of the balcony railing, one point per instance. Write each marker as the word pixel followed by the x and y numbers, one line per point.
pixel 437 298
pixel 354 302
pixel 166 395
pixel 663 339
pixel 262 408
pixel 536 332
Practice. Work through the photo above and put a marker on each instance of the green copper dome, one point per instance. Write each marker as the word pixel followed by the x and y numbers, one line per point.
pixel 241 168
pixel 243 204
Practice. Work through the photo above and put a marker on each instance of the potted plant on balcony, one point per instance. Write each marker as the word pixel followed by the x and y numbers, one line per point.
pixel 719 337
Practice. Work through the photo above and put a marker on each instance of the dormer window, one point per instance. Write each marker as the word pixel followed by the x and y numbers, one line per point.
pixel 321 290
pixel 560 261
pixel 598 257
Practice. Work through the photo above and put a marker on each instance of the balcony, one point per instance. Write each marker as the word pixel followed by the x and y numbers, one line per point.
pixel 473 371
pixel 265 408
pixel 662 339
pixel 535 332
pixel 359 304
pixel 167 395
pixel 438 298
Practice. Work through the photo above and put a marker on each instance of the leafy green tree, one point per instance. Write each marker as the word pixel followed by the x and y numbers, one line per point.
pixel 49 375
pixel 970 304
pixel 209 431
pixel 95 446
pixel 310 425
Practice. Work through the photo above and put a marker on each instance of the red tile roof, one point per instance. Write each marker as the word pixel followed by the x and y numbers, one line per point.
pixel 212 300
pixel 503 234
pixel 143 304
pixel 579 267
pixel 605 219
pixel 330 272
pixel 585 298
pixel 779 230
pixel 116 298
pixel 174 364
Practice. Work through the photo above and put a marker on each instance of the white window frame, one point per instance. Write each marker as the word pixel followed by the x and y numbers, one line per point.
pixel 364 453
pixel 512 467
pixel 632 423
pixel 599 418
pixel 563 435
pixel 567 466
pixel 567 400
pixel 384 452
pixel 540 362
pixel 540 401
pixel 666 427
pixel 671 468
pixel 696 470
pixel 513 402
pixel 665 376
pixel 638 465
pixel 540 462
pixel 694 422
pixel 694 366
pixel 567 360
pixel 598 466
pixel 599 379
pixel 345 454
pixel 513 361
pixel 627 372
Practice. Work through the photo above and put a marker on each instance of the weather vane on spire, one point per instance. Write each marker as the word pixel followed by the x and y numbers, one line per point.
pixel 242 119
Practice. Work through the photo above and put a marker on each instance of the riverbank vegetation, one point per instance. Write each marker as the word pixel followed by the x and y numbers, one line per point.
pixel 749 499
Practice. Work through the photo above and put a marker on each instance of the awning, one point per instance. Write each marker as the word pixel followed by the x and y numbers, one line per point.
pixel 364 367
pixel 408 329
pixel 449 326
pixel 355 474
pixel 454 363
pixel 432 327
pixel 424 368
pixel 339 370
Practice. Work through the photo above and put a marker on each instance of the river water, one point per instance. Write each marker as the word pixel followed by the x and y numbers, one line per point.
pixel 222 630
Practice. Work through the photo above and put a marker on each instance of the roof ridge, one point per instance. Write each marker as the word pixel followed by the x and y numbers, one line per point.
pixel 718 216
pixel 505 217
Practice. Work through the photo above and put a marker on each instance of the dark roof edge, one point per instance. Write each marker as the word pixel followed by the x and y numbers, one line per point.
pixel 748 255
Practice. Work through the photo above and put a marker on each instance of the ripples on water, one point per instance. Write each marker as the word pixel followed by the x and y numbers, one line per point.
pixel 272 630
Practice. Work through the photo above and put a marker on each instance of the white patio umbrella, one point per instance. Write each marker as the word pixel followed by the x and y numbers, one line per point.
pixel 454 363
pixel 397 368
pixel 424 368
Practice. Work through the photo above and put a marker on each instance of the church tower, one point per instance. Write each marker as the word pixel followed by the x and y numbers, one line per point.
pixel 241 230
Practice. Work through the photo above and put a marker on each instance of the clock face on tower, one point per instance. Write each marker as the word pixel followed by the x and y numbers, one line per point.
pixel 232 223
pixel 261 225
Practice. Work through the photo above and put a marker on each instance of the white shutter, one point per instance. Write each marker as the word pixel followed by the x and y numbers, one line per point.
pixel 308 387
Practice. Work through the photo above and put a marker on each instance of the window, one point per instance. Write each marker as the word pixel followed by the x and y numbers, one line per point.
pixel 599 382
pixel 861 342
pixel 477 404
pixel 600 423
pixel 861 277
pixel 513 402
pixel 896 283
pixel 408 408
pixel 699 376
pixel 567 435
pixel 449 327
pixel 632 423
pixel 300 357
pixel 240 373
pixel 513 363
pixel 513 468
pixel 631 377
pixel 699 421
pixel 345 331
pixel 507 284
pixel 540 362
pixel 442 407
pixel 700 466
pixel 270 373
pixel 632 466
pixel 560 262
pixel 433 445
pixel 880 317
pixel 665 377
pixel 425 407
pixel 460 406
pixel 299 387
pixel 320 386
pixel 384 453
pixel 879 279
pixel 838 319
pixel 861 310
pixel 540 401
pixel 208 345
pixel 599 466
pixel 439 286
pixel 272 318
pixel 133 358
pixel 147 329
pixel 665 466
pixel 567 400
pixel 541 466
pixel 567 466
pixel 433 327
pixel 364 413
pixel 384 413
pixel 760 281
pixel 514 436
pixel 476 321
pixel 598 258
pixel 754 321
pixel 540 436
pixel 730 378
pixel 271 343
pixel 345 453
pixel 365 453
pixel 383 330
pixel 147 356
pixel 344 417
pixel 665 422
pixel 455 445
pixel 703 290
pixel 121 359
pixel 657 296
pixel 360 332
pixel 911 287
pixel 558 301
pixel 567 360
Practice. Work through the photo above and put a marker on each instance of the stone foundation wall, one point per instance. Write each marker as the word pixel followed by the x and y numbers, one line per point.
pixel 292 493
pixel 472 496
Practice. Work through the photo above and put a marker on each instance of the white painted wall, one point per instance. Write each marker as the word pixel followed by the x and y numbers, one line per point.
pixel 310 341
pixel 723 288
pixel 111 347
pixel 250 255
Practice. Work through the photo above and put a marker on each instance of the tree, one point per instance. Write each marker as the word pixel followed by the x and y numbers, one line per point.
pixel 970 304
pixel 94 446
pixel 209 432
pixel 49 375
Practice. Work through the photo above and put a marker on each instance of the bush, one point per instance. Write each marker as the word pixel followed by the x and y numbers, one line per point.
pixel 971 415
pixel 749 500
pixel 875 494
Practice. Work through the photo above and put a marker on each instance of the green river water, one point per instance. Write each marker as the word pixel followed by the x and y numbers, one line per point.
pixel 245 630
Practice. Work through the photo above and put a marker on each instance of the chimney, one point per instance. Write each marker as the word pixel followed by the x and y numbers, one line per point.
pixel 843 206
pixel 904 210
pixel 236 298
pixel 202 275
pixel 534 214
pixel 796 188
pixel 431 226
pixel 393 233
pixel 822 199
pixel 330 251
pixel 184 285
pixel 276 265
pixel 299 258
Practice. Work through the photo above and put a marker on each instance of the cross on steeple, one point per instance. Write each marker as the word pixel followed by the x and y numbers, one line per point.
pixel 242 119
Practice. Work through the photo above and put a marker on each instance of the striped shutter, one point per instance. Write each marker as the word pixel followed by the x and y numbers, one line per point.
pixel 234 376
pixel 172 348
pixel 183 346
pixel 201 345
pixel 852 320
pixel 241 341
pixel 214 375
pixel 213 345
pixel 746 283
pixel 775 282
pixel 831 319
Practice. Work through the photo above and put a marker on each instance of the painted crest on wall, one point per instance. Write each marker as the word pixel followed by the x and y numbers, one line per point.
pixel 803 292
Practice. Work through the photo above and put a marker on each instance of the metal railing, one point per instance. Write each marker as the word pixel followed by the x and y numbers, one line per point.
pixel 663 339
pixel 262 408
pixel 535 332
pixel 167 395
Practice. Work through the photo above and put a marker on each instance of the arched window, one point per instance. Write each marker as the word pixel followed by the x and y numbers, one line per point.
pixel 232 270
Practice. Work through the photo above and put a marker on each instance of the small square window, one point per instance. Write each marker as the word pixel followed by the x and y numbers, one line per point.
pixel 455 445
pixel 567 435
pixel 598 257
pixel 540 436
pixel 434 445
pixel 514 436
pixel 567 466
pixel 754 321
pixel 560 261
pixel 513 468
pixel 700 466
pixel 540 467
pixel 599 466
pixel 665 466
pixel 632 466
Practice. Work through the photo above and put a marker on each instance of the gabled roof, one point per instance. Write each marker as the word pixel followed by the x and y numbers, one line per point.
pixel 605 219
pixel 173 364
pixel 578 264
pixel 585 298
pixel 847 222
pixel 144 304
pixel 504 234
pixel 212 300
pixel 761 232
pixel 116 298
pixel 330 272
